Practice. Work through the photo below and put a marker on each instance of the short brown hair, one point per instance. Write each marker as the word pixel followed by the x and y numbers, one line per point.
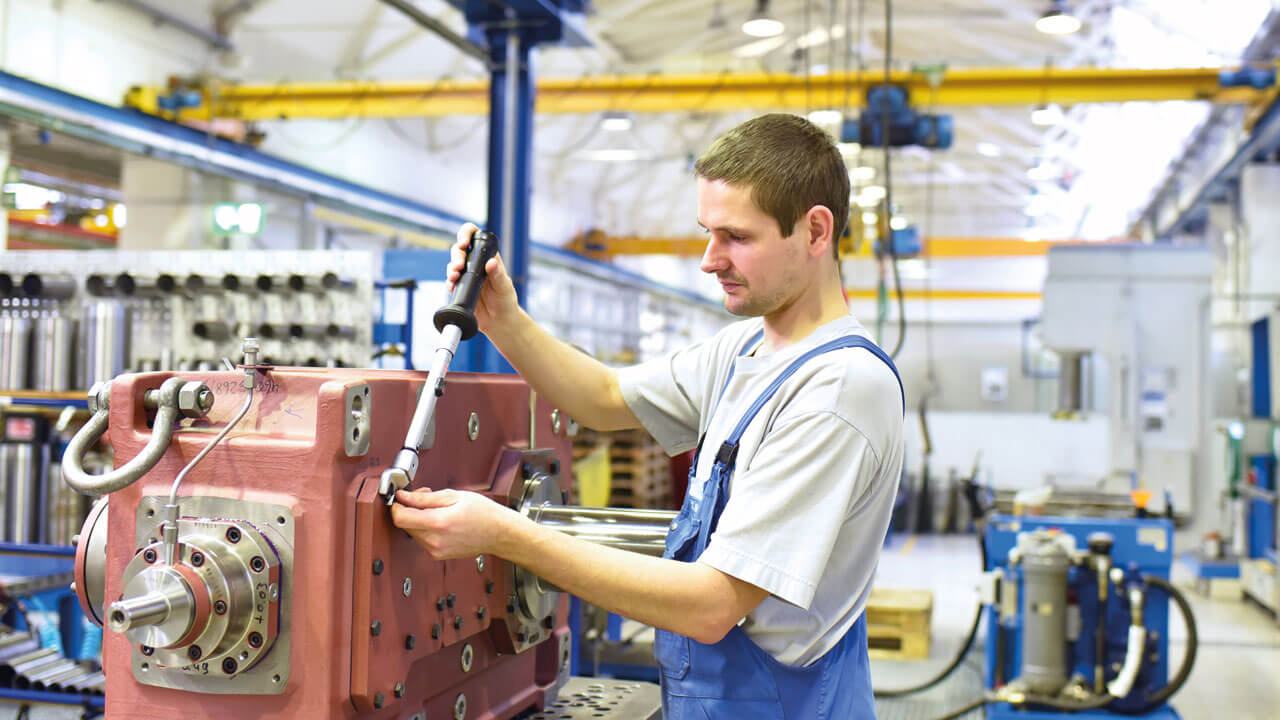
pixel 789 163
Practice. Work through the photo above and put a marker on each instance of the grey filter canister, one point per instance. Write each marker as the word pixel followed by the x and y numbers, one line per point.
pixel 15 352
pixel 106 342
pixel 1045 563
pixel 53 355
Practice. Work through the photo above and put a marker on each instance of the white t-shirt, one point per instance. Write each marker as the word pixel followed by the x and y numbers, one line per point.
pixel 817 472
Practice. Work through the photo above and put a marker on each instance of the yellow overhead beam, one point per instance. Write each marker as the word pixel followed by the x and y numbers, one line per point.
pixel 596 244
pixel 721 92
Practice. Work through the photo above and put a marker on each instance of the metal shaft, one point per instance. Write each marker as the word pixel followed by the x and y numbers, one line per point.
pixel 150 609
pixel 402 471
pixel 636 530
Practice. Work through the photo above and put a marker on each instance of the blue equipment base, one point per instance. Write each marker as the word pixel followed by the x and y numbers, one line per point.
pixel 1206 568
pixel 1005 711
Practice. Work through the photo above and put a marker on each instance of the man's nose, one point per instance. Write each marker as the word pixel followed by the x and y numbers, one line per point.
pixel 713 258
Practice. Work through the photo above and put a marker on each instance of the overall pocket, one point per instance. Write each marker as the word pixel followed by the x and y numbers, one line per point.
pixel 672 652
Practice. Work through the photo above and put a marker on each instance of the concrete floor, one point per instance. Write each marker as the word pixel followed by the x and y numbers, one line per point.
pixel 1236 670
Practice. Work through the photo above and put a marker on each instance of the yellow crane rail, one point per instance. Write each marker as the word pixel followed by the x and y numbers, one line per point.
pixel 720 92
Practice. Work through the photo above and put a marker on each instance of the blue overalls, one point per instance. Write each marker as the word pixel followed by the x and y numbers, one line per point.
pixel 734 679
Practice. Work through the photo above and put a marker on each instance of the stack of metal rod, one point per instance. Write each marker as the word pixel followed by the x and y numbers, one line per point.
pixel 25 665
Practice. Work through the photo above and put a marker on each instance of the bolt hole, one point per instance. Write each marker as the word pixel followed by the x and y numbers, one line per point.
pixel 117 617
pixel 145 667
pixel 151 512
pixel 355 433
pixel 357 403
pixel 280 519
pixel 275 678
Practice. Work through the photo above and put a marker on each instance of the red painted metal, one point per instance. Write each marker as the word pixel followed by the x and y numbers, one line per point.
pixel 289 451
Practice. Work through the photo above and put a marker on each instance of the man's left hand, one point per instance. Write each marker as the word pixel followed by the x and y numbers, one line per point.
pixel 451 523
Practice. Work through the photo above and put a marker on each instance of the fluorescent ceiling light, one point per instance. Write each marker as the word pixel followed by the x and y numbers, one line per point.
pixel 759 48
pixel 869 218
pixel 875 192
pixel 1058 20
pixel 761 23
pixel 616 122
pixel 1043 172
pixel 825 117
pixel 1045 115
pixel 898 222
pixel 862 173
pixel 990 150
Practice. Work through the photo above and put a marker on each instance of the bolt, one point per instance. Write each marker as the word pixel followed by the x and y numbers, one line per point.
pixel 204 400
pixel 379 700
pixel 149 555
pixel 220 607
pixel 194 652
pixel 435 631
pixel 146 650
pixel 409 642
pixel 440 604
pixel 555 467
pixel 488 587
pixel 377 566
pixel 257 564
pixel 233 535
pixel 526 471
pixel 451 599
pixel 375 628
pixel 399 690
pixel 480 563
pixel 408 587
pixel 229 666
pixel 197 559
pixel 457 622
pixel 255 640
pixel 480 612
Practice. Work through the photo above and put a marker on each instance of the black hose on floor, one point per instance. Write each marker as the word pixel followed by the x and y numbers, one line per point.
pixel 960 656
pixel 1193 643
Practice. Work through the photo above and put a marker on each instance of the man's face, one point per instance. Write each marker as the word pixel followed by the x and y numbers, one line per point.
pixel 760 271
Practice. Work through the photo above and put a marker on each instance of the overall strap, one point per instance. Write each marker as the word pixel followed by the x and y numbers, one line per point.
pixel 751 342
pixel 729 450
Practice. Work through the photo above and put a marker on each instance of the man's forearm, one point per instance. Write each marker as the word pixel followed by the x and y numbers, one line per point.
pixel 690 599
pixel 578 384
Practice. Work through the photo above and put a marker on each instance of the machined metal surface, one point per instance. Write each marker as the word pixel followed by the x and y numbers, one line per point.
pixel 593 699
pixel 21 472
pixel 242 567
pixel 15 351
pixel 535 598
pixel 105 349
pixel 635 529
pixel 53 353
pixel 359 419
pixel 91 563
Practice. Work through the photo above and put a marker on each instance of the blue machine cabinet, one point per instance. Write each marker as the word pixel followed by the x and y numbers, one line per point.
pixel 1143 546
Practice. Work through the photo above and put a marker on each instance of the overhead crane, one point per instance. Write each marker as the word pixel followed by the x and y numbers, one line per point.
pixel 714 92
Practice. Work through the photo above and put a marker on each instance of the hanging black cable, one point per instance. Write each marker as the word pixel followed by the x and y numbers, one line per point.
pixel 886 220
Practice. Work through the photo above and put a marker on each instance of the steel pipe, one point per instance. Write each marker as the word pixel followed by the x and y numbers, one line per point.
pixel 58 286
pixel 131 285
pixel 638 530
pixel 214 330
pixel 153 608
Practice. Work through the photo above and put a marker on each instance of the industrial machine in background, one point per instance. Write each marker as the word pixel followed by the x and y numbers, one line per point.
pixel 1131 326
pixel 243 558
pixel 1078 618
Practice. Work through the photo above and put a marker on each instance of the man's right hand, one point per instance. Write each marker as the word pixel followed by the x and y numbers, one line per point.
pixel 498 304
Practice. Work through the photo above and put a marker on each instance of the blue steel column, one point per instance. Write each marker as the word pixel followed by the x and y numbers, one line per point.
pixel 513 230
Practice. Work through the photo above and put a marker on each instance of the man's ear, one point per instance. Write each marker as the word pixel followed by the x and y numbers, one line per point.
pixel 819 226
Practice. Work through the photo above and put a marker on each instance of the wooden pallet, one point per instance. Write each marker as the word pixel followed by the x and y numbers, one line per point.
pixel 640 470
pixel 898 623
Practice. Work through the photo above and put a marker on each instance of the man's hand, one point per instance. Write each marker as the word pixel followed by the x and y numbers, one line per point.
pixel 498 303
pixel 452 524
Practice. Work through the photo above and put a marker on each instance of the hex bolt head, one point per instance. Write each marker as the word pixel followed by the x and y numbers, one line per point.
pixel 233 535
pixel 409 642
pixel 229 666
pixel 255 640
pixel 407 586
pixel 480 612
pixel 435 631
pixel 194 399
pixel 197 559
pixel 146 650
pixel 398 691
pixel 149 555
pixel 479 563
pixel 194 652
pixel 440 604
pixel 377 566
pixel 375 628
pixel 451 599
pixel 379 700
pixel 457 622
pixel 257 564
pixel 555 467
pixel 220 607
pixel 488 587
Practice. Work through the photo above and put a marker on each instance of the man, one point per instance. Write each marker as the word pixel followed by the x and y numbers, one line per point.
pixel 759 598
